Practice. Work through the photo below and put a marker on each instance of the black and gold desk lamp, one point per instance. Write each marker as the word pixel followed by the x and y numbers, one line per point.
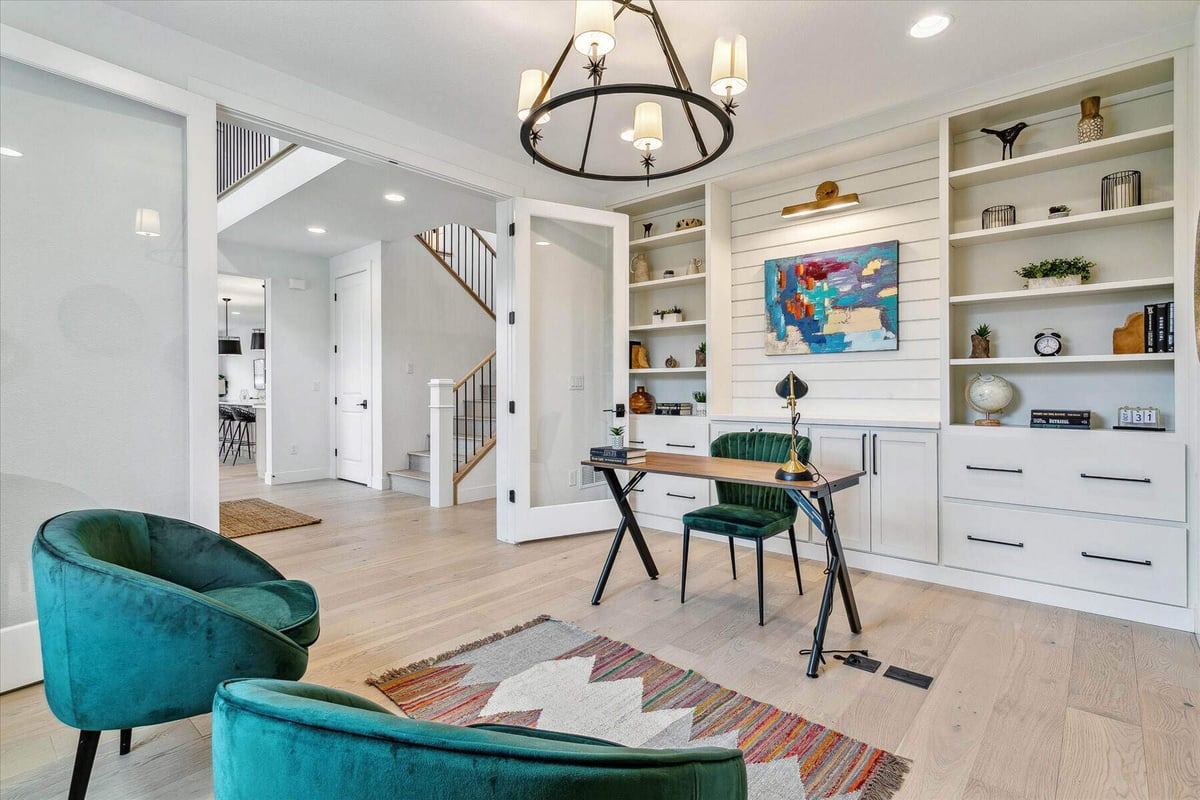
pixel 792 389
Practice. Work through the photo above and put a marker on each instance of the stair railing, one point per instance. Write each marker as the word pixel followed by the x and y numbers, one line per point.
pixel 468 257
pixel 474 430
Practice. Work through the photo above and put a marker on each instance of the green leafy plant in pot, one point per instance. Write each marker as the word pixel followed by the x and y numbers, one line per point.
pixel 701 399
pixel 981 343
pixel 702 355
pixel 616 437
pixel 1057 272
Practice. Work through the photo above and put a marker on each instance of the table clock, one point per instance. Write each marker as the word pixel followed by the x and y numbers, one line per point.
pixel 1047 342
pixel 1147 418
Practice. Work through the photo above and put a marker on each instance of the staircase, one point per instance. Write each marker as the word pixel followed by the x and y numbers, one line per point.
pixel 471 261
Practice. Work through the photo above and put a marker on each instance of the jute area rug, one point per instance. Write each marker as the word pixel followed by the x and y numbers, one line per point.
pixel 551 675
pixel 248 517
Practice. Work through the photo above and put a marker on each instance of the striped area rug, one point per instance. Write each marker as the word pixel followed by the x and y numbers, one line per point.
pixel 551 675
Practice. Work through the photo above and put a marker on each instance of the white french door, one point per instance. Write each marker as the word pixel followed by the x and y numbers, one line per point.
pixel 562 363
pixel 352 376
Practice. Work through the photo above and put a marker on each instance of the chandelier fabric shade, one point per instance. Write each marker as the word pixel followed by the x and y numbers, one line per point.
pixel 532 81
pixel 146 222
pixel 595 29
pixel 729 74
pixel 647 126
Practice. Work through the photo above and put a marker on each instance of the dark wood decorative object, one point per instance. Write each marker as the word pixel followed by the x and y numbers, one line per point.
pixel 1130 337
pixel 1007 138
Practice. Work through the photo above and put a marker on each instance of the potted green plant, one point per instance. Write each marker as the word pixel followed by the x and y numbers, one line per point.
pixel 1055 272
pixel 616 437
pixel 664 316
pixel 1059 211
pixel 701 399
pixel 702 355
pixel 981 345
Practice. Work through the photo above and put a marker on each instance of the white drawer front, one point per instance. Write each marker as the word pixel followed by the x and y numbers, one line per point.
pixel 670 496
pixel 1130 559
pixel 1100 472
pixel 666 435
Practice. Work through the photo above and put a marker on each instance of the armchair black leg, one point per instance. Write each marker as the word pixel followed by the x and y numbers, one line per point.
pixel 758 554
pixel 795 558
pixel 687 535
pixel 85 756
pixel 732 563
pixel 126 740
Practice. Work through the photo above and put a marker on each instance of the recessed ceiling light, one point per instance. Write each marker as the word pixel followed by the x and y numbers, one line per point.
pixel 627 135
pixel 931 25
pixel 10 153
pixel 540 243
pixel 394 197
pixel 315 229
pixel 235 313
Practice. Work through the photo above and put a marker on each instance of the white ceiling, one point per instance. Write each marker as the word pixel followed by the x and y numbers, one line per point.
pixel 347 201
pixel 246 298
pixel 453 65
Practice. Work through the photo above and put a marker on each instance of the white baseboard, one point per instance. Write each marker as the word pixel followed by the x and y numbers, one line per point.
pixel 470 494
pixel 1176 617
pixel 20 656
pixel 298 476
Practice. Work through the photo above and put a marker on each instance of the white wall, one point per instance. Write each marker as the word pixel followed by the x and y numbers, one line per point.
pixel 430 323
pixel 898 191
pixel 298 357
pixel 239 370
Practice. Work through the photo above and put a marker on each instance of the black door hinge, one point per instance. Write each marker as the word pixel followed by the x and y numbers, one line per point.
pixel 512 318
pixel 512 229
pixel 512 406
pixel 335 451
pixel 335 401
pixel 512 495
pixel 335 348
pixel 335 297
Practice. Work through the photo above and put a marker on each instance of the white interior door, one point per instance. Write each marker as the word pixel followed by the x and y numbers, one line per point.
pixel 352 376
pixel 562 362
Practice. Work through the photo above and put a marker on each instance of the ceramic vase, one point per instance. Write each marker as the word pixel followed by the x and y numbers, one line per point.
pixel 641 401
pixel 981 347
pixel 701 358
pixel 1091 124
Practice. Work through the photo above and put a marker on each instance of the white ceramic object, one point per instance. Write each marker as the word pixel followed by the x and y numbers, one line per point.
pixel 1055 283
pixel 666 319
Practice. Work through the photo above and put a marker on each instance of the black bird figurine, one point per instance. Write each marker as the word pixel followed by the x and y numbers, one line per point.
pixel 1007 138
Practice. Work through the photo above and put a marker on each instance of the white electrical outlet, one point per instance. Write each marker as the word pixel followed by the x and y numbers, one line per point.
pixel 294 450
pixel 410 368
pixel 576 383
pixel 316 386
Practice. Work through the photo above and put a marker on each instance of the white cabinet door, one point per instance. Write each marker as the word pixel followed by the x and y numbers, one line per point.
pixel 846 448
pixel 904 494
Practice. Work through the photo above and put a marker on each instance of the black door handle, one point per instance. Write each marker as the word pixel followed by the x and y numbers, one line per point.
pixel 363 404
pixel 682 496
pixel 874 454
pixel 636 441
pixel 1016 471
pixel 1145 563
pixel 864 453
pixel 971 538
pixel 672 444
pixel 1113 478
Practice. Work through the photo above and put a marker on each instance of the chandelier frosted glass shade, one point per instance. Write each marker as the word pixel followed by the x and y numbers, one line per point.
pixel 729 74
pixel 595 31
pixel 647 126
pixel 532 81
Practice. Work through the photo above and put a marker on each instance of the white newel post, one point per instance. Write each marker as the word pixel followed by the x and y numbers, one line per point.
pixel 441 442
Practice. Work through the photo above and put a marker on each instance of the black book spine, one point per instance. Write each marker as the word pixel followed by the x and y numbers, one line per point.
pixel 1160 336
pixel 1171 327
pixel 1148 328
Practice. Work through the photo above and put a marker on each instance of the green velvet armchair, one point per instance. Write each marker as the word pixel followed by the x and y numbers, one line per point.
pixel 749 512
pixel 281 739
pixel 142 616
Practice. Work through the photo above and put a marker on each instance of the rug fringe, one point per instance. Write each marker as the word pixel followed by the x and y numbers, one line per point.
pixel 400 672
pixel 887 778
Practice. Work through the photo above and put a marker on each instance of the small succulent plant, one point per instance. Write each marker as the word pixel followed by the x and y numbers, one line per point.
pixel 983 331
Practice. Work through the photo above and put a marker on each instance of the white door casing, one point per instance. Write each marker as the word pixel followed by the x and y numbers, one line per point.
pixel 352 376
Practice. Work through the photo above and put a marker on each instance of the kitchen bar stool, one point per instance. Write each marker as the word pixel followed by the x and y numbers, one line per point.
pixel 226 430
pixel 244 432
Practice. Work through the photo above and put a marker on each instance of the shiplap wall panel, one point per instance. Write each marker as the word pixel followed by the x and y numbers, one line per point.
pixel 899 201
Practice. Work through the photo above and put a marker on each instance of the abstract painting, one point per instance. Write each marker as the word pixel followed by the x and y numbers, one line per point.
pixel 841 301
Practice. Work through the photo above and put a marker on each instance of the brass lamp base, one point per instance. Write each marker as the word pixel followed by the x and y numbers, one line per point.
pixel 794 470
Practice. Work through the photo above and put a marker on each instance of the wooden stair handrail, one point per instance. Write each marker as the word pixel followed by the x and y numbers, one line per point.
pixel 473 370
pixel 484 242
pixel 466 287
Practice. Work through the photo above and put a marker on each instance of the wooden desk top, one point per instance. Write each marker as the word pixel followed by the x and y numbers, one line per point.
pixel 733 470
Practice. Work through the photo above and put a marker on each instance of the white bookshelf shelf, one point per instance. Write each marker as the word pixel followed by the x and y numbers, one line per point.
pixel 669 239
pixel 668 326
pixel 1050 361
pixel 1078 222
pixel 1064 157
pixel 670 371
pixel 1087 289
pixel 663 283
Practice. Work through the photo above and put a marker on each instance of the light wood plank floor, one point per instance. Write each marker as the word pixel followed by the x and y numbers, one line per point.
pixel 1028 701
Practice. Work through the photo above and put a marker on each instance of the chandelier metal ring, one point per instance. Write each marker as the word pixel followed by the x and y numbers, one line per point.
pixel 590 92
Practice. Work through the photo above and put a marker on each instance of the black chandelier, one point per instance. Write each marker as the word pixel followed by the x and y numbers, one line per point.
pixel 595 37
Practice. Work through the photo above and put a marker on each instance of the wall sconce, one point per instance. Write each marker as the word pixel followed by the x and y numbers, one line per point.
pixel 146 222
pixel 828 199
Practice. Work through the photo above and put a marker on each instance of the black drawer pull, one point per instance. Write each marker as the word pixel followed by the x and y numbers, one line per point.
pixel 638 490
pixel 1145 563
pixel 1114 478
pixel 636 441
pixel 971 538
pixel 1016 471
pixel 672 444
pixel 682 496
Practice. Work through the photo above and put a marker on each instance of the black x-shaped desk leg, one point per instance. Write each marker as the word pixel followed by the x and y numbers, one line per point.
pixel 821 515
pixel 628 523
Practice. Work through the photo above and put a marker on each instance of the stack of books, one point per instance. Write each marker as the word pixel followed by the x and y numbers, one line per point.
pixel 1160 327
pixel 1060 418
pixel 618 455
pixel 673 409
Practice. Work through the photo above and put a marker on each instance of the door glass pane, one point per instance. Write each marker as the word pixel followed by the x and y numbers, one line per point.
pixel 93 368
pixel 570 357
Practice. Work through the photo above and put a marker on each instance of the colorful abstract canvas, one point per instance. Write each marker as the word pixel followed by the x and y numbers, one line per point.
pixel 842 301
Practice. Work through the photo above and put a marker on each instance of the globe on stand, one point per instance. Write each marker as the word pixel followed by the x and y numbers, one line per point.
pixel 988 394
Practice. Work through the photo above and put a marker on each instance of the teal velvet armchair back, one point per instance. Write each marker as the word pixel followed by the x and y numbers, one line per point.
pixel 295 740
pixel 757 446
pixel 128 637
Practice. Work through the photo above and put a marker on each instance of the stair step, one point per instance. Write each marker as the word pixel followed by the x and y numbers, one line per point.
pixel 410 481
pixel 418 460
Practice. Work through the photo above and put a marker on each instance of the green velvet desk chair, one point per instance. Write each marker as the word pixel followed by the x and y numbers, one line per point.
pixel 748 512
pixel 279 739
pixel 142 616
